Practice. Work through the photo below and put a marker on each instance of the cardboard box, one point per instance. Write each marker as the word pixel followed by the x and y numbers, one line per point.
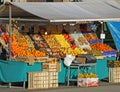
pixel 81 59
pixel 87 82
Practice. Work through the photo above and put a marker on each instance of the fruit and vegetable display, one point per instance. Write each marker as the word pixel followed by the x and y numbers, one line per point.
pixel 28 40
pixel 62 41
pixel 69 47
pixel 22 46
pixel 72 52
pixel 114 63
pixel 68 37
pixel 39 41
pixel 104 48
pixel 97 47
pixel 90 36
pixel 88 75
pixel 2 41
pixel 50 39
pixel 88 80
pixel 54 45
pixel 101 47
pixel 5 36
pixel 96 52
pixel 80 41
pixel 63 45
pixel 54 50
pixel 71 40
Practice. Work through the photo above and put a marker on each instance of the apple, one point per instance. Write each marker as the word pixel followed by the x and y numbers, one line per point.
pixel 73 46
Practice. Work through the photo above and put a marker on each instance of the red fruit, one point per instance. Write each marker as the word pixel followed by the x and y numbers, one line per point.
pixel 70 39
pixel 66 36
pixel 73 46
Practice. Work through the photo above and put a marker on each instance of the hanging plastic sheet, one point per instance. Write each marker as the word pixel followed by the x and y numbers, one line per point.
pixel 114 28
pixel 16 71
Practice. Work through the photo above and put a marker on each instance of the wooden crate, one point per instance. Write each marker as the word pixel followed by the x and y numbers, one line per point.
pixel 66 0
pixel 36 0
pixel 53 29
pixel 29 60
pixel 52 67
pixel 53 85
pixel 59 28
pixel 41 59
pixel 42 80
pixel 114 75
pixel 26 28
pixel 15 0
pixel 57 0
pixel 38 80
pixel 53 79
pixel 36 28
pixel 100 57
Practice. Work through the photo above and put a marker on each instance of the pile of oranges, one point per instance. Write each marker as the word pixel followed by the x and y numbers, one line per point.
pixel 21 48
pixel 101 47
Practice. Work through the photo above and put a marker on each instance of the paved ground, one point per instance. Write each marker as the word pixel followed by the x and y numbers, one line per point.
pixel 104 87
pixel 110 88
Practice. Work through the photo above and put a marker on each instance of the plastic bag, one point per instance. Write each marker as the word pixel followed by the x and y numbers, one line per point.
pixel 68 60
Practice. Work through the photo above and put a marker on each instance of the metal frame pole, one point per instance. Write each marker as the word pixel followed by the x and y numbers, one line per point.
pixel 68 79
pixel 102 23
pixel 10 33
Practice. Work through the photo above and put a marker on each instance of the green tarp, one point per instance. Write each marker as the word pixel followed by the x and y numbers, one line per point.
pixel 15 71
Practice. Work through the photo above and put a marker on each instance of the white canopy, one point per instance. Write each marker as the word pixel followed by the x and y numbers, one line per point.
pixel 64 11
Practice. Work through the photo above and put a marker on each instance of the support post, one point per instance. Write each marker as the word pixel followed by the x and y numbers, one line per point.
pixel 10 30
pixel 9 84
pixel 10 34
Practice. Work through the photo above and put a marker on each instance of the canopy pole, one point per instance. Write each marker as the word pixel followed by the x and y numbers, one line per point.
pixel 102 26
pixel 10 34
pixel 10 30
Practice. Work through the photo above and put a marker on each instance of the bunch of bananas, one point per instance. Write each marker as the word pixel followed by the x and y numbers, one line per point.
pixel 87 75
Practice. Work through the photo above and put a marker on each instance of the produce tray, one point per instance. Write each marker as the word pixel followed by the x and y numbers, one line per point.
pixel 110 53
pixel 51 41
pixel 94 41
pixel 100 57
pixel 80 41
pixel 90 36
pixel 39 41
pixel 41 59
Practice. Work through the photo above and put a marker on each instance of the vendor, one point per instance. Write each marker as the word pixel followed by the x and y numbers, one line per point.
pixel 3 53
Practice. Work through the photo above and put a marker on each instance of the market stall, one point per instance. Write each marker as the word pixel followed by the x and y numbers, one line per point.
pixel 56 14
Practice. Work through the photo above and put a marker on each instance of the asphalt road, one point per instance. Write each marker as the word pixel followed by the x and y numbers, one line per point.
pixel 101 88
